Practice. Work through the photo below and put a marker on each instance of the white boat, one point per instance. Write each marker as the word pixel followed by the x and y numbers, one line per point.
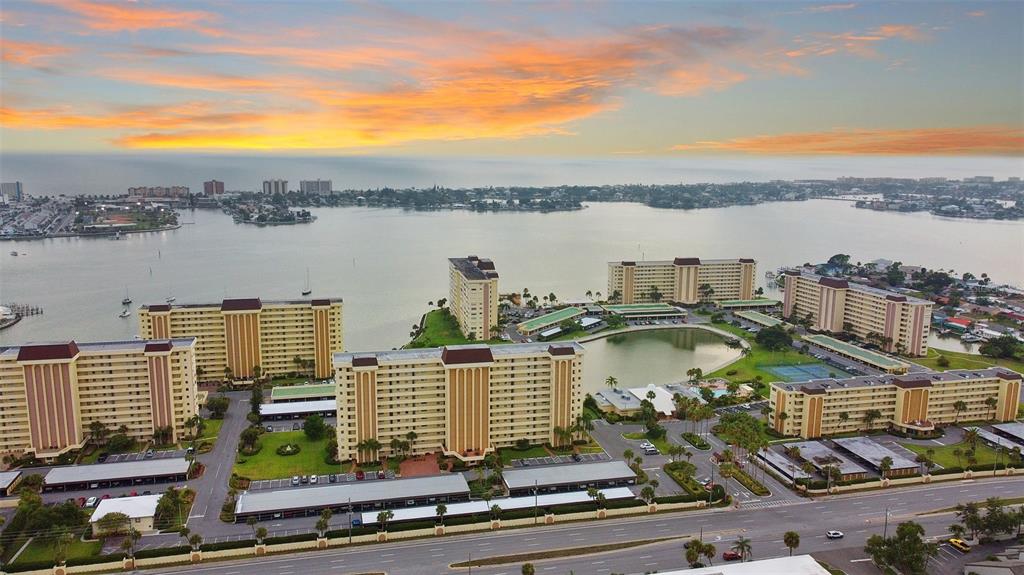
pixel 127 299
pixel 170 299
pixel 124 313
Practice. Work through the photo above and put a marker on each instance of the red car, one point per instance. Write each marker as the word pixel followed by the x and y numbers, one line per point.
pixel 731 556
pixel 360 475
pixel 81 501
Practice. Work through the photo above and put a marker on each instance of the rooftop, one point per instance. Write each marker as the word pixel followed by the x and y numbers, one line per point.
pixel 560 474
pixel 873 452
pixel 113 471
pixel 759 318
pixel 867 356
pixel 820 455
pixel 761 301
pixel 797 565
pixel 298 407
pixel 293 391
pixel 829 384
pixel 133 507
pixel 643 309
pixel 232 303
pixel 680 261
pixel 843 283
pixel 55 351
pixel 1014 429
pixel 474 268
pixel 435 353
pixel 995 439
pixel 357 493
pixel 552 318
pixel 7 478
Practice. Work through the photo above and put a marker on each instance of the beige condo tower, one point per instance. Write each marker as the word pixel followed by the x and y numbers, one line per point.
pixel 473 295
pixel 682 280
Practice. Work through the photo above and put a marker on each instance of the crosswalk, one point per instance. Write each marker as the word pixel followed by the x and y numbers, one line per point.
pixel 770 504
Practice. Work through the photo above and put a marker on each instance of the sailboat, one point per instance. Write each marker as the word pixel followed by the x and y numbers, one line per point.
pixel 308 289
pixel 124 313
pixel 127 299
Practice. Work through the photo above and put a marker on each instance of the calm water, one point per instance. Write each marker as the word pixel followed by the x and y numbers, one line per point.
pixel 388 264
pixel 657 356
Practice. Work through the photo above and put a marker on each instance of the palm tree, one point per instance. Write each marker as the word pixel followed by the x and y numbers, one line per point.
pixel 871 415
pixel 371 445
pixel 958 453
pixel 323 524
pixel 958 406
pixel 383 517
pixel 843 418
pixel 441 509
pixel 708 550
pixel 766 411
pixel 791 539
pixel 744 547
pixel 627 454
pixel 612 382
pixel 885 466
pixel 647 494
pixel 495 511
pixel 971 437
pixel 991 402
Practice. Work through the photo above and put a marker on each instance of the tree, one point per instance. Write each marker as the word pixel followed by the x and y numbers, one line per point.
pixel 647 494
pixel 611 382
pixel 256 398
pixel 1003 347
pixel 218 405
pixel 528 569
pixel 98 430
pixel 709 552
pixel 370 445
pixel 774 338
pixel 115 523
pixel 992 402
pixel 971 437
pixel 441 509
pixel 260 534
pixel 655 294
pixel 130 539
pixel 791 539
pixel 885 466
pixel 706 291
pixel 323 524
pixel 383 517
pixel 62 540
pixel 906 551
pixel 958 406
pixel 744 547
pixel 249 437
pixel 871 415
pixel 314 427
pixel 495 511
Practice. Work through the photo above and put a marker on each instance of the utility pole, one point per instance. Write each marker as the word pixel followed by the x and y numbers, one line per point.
pixel 885 529
pixel 349 520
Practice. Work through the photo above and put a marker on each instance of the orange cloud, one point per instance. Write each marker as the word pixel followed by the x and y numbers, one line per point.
pixel 977 14
pixel 699 79
pixel 139 117
pixel 864 44
pixel 30 54
pixel 135 16
pixel 989 140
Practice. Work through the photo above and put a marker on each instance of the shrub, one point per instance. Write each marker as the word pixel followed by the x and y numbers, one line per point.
pixel 731 372
pixel 522 444
pixel 288 449
pixel 696 441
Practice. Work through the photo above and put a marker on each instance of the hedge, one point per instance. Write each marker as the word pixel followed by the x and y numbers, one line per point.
pixel 696 441
pixel 688 498
pixel 290 538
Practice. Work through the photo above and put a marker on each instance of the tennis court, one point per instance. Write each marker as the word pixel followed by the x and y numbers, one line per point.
pixel 805 371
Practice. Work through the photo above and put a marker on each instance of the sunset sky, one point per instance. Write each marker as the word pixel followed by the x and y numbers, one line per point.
pixel 513 78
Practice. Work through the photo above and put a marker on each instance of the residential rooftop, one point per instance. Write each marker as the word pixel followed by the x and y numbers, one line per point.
pixel 685 261
pixel 230 304
pixel 474 268
pixel 541 476
pixel 436 353
pixel 553 318
pixel 816 386
pixel 293 391
pixel 134 507
pixel 34 351
pixel 116 471
pixel 357 492
pixel 844 283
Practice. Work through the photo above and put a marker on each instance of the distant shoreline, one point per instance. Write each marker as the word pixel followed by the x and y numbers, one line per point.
pixel 81 235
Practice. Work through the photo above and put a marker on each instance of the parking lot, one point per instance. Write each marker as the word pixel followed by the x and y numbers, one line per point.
pixel 560 459
pixel 321 480
pixel 139 456
pixel 754 408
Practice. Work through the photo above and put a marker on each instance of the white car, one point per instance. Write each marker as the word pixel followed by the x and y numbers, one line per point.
pixel 834 534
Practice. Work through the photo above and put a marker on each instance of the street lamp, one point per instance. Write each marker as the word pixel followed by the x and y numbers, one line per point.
pixel 534 501
pixel 349 520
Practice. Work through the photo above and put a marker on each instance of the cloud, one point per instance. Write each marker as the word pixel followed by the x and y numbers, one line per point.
pixel 977 14
pixel 864 44
pixel 825 8
pixel 135 16
pixel 30 54
pixel 990 140
pixel 131 117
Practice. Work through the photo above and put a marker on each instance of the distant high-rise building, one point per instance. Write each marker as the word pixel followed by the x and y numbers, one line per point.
pixel 159 191
pixel 315 186
pixel 12 191
pixel 213 187
pixel 275 186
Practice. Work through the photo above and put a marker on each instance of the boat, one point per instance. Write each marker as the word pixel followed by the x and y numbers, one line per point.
pixel 308 290
pixel 127 300
pixel 170 299
pixel 971 338
pixel 124 313
pixel 14 253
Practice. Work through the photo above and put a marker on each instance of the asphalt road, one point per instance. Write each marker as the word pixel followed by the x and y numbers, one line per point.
pixel 857 515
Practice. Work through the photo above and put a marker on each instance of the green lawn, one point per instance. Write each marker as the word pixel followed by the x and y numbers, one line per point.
pixel 267 464
pixel 211 428
pixel 749 367
pixel 510 455
pixel 42 550
pixel 440 328
pixel 960 360
pixel 944 453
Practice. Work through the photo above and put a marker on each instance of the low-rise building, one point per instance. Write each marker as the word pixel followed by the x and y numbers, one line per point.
pixel 681 280
pixel 311 392
pixel 139 511
pixel 120 474
pixel 913 403
pixel 645 311
pixel 463 400
pixel 574 477
pixel 741 304
pixel 236 336
pixel 544 322
pixel 50 393
pixel 856 353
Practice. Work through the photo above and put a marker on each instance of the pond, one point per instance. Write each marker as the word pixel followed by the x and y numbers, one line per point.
pixel 654 356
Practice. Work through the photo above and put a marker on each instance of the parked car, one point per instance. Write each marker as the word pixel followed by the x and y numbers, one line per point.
pixel 91 502
pixel 305 479
pixel 834 534
pixel 314 479
pixel 960 545
pixel 360 475
pixel 149 454
pixel 270 429
pixel 295 480
pixel 731 556
pixel 295 427
pixel 381 474
pixel 332 478
pixel 576 457
pixel 102 458
pixel 81 502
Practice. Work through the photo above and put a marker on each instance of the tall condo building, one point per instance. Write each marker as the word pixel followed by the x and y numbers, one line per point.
pixel 682 280
pixel 315 186
pixel 464 400
pixel 13 191
pixel 910 403
pixel 213 187
pixel 236 335
pixel 275 186
pixel 473 295
pixel 898 322
pixel 51 392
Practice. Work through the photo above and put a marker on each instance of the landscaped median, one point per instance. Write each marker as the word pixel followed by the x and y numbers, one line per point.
pixel 696 440
pixel 559 553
